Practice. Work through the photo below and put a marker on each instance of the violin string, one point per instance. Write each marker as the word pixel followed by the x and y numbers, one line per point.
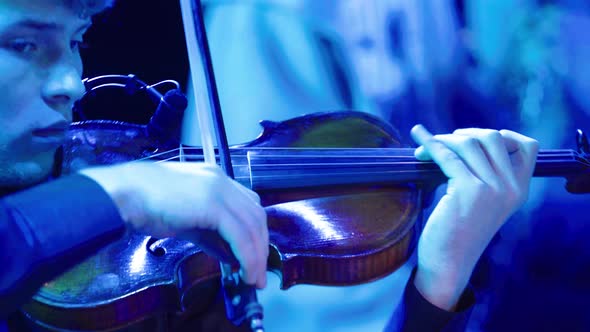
pixel 541 157
pixel 544 156
pixel 415 168
pixel 409 151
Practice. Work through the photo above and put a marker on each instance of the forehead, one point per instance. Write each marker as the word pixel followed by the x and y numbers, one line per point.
pixel 52 12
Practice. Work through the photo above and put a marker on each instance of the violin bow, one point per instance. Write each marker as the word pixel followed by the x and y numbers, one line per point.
pixel 240 299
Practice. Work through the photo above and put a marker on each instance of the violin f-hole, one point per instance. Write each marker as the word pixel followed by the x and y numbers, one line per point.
pixel 155 247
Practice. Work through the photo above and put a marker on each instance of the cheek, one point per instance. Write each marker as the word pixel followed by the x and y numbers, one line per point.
pixel 13 68
pixel 15 119
pixel 20 93
pixel 19 86
pixel 8 123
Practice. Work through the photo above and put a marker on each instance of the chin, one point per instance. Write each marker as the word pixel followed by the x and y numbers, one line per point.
pixel 22 174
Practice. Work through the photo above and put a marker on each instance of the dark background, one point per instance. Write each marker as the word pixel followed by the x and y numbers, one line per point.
pixel 140 37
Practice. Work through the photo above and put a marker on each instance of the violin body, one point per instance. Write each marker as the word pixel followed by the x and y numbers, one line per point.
pixel 323 235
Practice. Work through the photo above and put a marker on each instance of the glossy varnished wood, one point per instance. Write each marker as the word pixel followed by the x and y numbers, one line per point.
pixel 337 235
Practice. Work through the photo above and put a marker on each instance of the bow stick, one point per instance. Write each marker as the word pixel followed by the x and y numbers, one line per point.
pixel 240 299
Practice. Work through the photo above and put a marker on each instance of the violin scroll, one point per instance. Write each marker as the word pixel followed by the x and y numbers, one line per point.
pixel 579 183
pixel 582 142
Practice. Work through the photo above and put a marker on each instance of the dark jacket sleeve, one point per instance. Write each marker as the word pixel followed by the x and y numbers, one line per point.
pixel 415 313
pixel 48 229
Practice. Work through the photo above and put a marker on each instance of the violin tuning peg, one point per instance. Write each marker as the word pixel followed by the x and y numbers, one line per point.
pixel 582 142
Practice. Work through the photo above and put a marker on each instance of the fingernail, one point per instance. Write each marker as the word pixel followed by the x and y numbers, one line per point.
pixel 420 130
pixel 420 134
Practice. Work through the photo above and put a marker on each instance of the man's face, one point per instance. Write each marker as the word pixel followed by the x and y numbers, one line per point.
pixel 40 72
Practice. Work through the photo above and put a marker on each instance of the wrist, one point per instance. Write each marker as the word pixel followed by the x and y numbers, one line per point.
pixel 113 180
pixel 441 288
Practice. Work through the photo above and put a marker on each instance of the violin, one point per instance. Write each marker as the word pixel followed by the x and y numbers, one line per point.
pixel 342 197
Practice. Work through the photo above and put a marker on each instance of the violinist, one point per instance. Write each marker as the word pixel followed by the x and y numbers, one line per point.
pixel 48 224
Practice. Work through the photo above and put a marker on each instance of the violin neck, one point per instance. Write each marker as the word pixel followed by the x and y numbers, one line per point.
pixel 560 163
pixel 262 168
pixel 268 169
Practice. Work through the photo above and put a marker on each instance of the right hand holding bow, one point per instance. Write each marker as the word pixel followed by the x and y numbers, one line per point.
pixel 189 201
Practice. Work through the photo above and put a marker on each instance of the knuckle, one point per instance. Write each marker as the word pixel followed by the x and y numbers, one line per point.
pixel 449 156
pixel 495 189
pixel 434 141
pixel 434 144
pixel 508 133
pixel 478 186
pixel 470 142
pixel 465 131
pixel 492 191
pixel 513 196
pixel 518 195
pixel 491 135
pixel 532 144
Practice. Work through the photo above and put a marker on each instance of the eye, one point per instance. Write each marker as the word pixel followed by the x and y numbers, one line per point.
pixel 23 46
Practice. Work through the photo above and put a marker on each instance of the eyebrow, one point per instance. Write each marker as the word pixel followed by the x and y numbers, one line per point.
pixel 43 26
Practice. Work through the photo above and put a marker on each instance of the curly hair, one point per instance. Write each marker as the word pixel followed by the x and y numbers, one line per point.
pixel 87 8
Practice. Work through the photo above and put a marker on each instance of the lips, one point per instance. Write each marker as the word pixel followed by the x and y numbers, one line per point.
pixel 60 126
pixel 50 136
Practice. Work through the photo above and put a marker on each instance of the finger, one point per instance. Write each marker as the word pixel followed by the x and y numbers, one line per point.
pixel 259 213
pixel 449 162
pixel 250 205
pixel 253 217
pixel 236 234
pixel 421 154
pixel 495 149
pixel 421 135
pixel 523 152
pixel 260 248
pixel 473 156
pixel 244 205
pixel 252 194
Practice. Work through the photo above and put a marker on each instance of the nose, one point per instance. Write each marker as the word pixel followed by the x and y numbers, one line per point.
pixel 62 88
